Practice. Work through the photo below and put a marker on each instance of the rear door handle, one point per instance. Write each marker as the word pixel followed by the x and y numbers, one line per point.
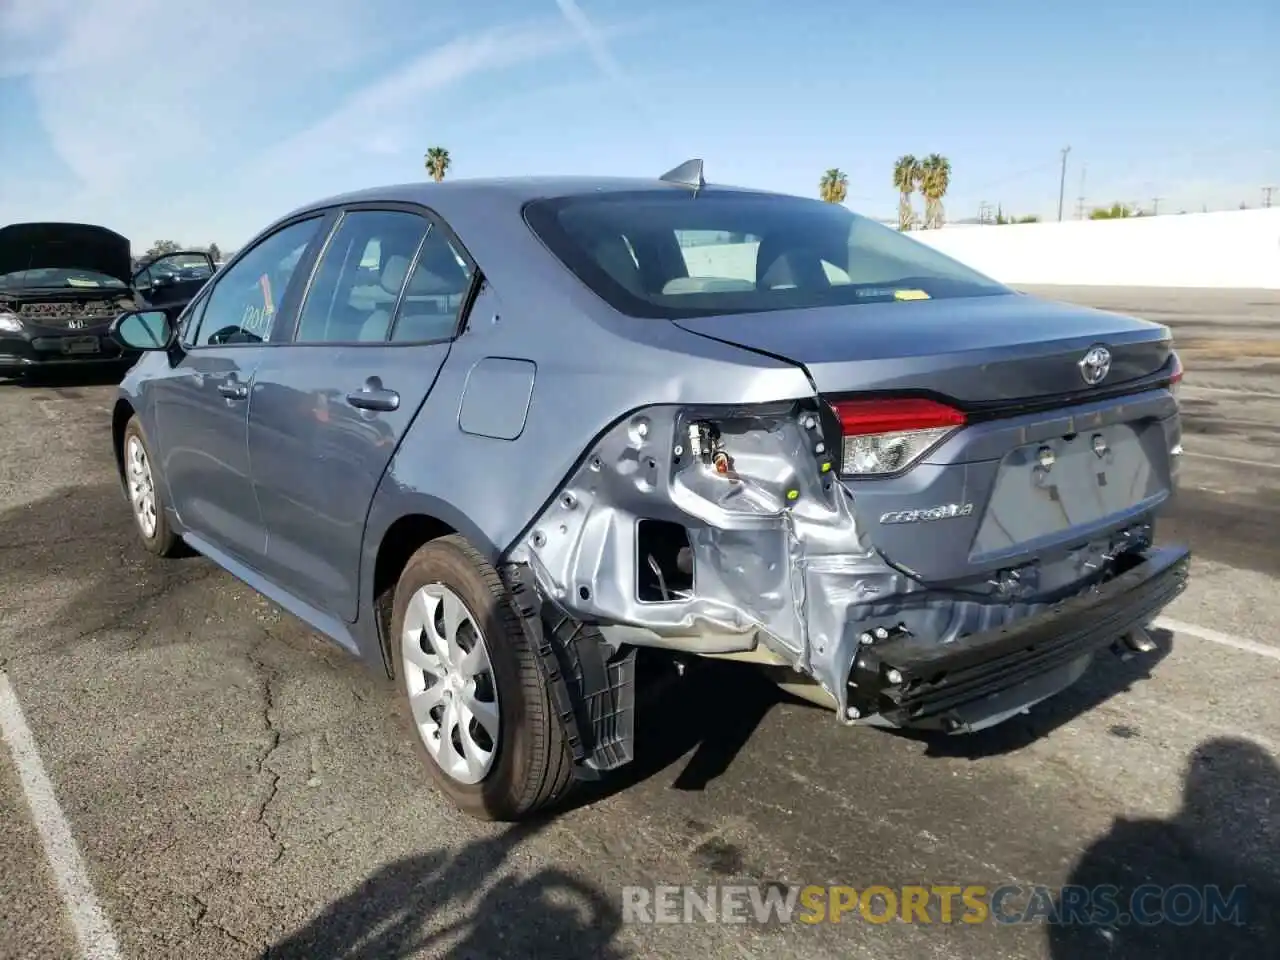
pixel 233 389
pixel 375 398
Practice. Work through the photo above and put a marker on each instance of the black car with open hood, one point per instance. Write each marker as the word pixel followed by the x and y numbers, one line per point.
pixel 61 285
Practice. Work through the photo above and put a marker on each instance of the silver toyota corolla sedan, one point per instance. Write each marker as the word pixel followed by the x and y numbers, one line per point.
pixel 495 436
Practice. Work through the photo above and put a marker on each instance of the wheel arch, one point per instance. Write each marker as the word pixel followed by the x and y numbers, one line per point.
pixel 418 521
pixel 121 414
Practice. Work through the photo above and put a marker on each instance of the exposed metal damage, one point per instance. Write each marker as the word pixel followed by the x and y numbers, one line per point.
pixel 726 531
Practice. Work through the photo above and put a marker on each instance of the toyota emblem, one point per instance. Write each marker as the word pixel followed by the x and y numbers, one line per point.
pixel 1095 365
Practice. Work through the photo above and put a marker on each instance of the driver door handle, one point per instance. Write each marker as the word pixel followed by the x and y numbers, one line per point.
pixel 233 389
pixel 374 399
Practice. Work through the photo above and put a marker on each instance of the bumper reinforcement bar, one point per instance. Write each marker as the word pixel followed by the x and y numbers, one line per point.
pixel 946 687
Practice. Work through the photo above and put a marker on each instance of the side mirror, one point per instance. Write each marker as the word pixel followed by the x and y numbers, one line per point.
pixel 142 330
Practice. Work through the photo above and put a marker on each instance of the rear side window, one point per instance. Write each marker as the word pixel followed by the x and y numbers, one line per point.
pixel 669 254
pixel 436 292
pixel 358 280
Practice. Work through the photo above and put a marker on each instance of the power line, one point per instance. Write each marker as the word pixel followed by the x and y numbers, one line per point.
pixel 1155 206
pixel 1266 196
pixel 1062 182
pixel 1009 178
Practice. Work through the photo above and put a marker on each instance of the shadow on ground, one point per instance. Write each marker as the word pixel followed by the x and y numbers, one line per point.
pixel 709 715
pixel 1226 837
pixel 451 906
pixel 1107 677
pixel 1238 530
pixel 104 375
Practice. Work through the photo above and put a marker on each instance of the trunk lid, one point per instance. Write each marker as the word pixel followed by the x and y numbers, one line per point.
pixel 64 246
pixel 980 350
pixel 1024 496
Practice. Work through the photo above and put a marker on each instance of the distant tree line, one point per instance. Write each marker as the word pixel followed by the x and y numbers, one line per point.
pixel 1117 211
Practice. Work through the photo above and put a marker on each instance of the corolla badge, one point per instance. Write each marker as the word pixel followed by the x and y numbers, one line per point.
pixel 1095 365
pixel 944 512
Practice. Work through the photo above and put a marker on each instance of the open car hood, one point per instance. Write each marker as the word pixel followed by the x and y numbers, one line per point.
pixel 65 246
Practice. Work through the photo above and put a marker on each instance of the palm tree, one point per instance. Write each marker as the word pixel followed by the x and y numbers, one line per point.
pixel 834 186
pixel 906 171
pixel 437 163
pixel 935 178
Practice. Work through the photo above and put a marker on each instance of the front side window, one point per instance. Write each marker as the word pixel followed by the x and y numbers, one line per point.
pixel 669 254
pixel 357 282
pixel 243 304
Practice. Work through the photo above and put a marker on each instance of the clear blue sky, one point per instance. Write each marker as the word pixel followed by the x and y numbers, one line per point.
pixel 200 121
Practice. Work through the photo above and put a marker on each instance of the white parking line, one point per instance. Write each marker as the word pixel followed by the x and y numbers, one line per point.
pixel 92 929
pixel 1213 636
pixel 1240 460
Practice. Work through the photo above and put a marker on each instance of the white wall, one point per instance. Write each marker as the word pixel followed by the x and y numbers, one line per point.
pixel 1233 249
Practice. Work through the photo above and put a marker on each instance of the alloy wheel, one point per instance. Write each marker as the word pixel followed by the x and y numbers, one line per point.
pixel 452 692
pixel 142 488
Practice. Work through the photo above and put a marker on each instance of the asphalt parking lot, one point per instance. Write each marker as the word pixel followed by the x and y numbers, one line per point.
pixel 236 788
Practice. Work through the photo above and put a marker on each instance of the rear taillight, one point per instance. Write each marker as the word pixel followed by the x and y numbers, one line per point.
pixel 880 437
pixel 1175 378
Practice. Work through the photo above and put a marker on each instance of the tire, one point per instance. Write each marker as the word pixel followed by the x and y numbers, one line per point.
pixel 152 525
pixel 529 766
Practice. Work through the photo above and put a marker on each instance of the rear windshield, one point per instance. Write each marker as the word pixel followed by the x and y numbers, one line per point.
pixel 671 254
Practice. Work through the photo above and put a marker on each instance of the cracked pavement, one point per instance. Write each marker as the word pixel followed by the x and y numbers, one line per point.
pixel 240 788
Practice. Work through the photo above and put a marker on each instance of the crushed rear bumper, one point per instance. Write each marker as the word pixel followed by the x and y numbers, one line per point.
pixel 760 555
pixel 984 676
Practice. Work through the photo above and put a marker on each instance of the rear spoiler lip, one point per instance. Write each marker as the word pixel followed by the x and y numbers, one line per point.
pixel 982 412
pixel 1003 409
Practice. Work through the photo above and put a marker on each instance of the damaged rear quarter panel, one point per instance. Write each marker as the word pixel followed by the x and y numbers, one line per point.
pixel 777 552
pixel 780 553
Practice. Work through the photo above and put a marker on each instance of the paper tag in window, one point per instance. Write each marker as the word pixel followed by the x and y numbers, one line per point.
pixel 910 295
pixel 268 307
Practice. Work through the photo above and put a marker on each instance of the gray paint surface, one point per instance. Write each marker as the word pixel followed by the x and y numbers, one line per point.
pixel 496 398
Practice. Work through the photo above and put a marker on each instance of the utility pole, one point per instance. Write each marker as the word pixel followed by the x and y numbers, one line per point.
pixel 1062 182
pixel 1266 196
pixel 1155 206
pixel 1084 168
